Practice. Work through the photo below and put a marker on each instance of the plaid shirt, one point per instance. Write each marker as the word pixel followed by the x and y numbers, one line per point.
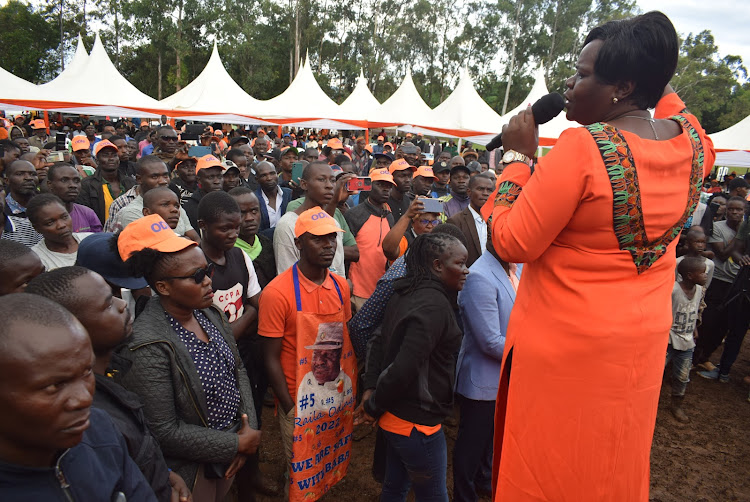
pixel 112 224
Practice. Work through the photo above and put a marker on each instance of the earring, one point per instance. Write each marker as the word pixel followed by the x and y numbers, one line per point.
pixel 614 101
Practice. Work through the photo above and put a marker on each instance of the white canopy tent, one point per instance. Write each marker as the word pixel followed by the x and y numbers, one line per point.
pixel 93 87
pixel 76 65
pixel 549 132
pixel 737 158
pixel 214 97
pixel 467 108
pixel 360 102
pixel 13 88
pixel 305 104
pixel 736 137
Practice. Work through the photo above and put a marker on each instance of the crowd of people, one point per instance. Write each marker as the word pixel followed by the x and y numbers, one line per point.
pixel 161 282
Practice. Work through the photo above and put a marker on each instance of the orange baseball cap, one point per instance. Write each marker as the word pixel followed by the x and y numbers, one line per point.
pixel 399 165
pixel 80 143
pixel 144 122
pixel 388 143
pixel 425 171
pixel 105 143
pixel 381 138
pixel 381 175
pixel 38 124
pixel 368 148
pixel 335 144
pixel 150 232
pixel 317 222
pixel 208 161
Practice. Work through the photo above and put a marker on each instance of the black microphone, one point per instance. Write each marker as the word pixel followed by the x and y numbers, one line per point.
pixel 545 109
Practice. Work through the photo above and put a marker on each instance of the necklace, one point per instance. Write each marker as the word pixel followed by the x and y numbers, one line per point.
pixel 647 119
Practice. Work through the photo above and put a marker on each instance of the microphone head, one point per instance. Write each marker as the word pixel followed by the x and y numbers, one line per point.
pixel 547 107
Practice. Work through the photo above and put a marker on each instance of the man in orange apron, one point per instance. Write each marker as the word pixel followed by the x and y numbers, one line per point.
pixel 310 360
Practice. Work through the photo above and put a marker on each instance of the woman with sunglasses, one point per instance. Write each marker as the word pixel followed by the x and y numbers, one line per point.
pixel 185 363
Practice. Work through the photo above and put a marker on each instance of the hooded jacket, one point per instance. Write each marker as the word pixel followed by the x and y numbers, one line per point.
pixel 415 356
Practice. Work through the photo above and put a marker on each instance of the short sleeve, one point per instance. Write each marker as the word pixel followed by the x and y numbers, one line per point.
pixel 273 310
pixel 253 287
pixel 183 225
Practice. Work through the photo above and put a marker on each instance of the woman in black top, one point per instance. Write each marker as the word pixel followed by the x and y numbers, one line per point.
pixel 415 357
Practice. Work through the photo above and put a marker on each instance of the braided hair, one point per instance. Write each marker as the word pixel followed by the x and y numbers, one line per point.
pixel 425 249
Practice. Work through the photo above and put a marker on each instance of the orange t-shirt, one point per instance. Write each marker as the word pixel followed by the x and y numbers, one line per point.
pixel 277 313
pixel 391 423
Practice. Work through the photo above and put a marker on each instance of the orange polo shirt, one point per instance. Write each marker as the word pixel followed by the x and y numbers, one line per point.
pixel 277 313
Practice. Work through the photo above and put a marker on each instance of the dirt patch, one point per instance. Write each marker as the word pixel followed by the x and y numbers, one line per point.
pixel 703 461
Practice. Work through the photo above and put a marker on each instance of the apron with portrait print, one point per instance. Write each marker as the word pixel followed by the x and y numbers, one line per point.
pixel 324 404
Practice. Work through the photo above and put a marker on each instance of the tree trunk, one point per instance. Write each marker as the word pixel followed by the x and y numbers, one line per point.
pixel 552 41
pixel 178 50
pixel 62 41
pixel 296 38
pixel 158 73
pixel 512 56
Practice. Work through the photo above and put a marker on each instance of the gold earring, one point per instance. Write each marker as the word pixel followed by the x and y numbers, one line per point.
pixel 614 101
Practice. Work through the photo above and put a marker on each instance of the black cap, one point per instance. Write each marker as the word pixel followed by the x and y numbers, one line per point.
pixel 440 167
pixel 273 154
pixel 239 139
pixel 474 167
pixel 386 155
pixel 459 167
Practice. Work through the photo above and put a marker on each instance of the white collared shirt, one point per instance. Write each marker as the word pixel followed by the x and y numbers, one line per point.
pixel 274 215
pixel 481 227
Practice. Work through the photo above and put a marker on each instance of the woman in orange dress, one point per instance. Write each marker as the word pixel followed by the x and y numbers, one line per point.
pixel 596 221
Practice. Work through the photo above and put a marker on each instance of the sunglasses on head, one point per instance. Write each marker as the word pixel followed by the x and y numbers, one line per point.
pixel 197 276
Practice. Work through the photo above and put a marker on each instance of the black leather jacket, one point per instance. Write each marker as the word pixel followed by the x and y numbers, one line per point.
pixel 164 376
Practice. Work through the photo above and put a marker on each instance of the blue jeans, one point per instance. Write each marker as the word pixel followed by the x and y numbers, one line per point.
pixel 682 360
pixel 417 461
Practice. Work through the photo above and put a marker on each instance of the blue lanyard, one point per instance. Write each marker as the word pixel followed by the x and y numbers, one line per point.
pixel 295 276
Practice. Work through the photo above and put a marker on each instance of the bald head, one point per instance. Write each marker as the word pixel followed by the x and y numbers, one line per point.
pixel 457 161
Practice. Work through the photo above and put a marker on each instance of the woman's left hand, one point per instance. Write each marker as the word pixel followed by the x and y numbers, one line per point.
pixel 180 491
pixel 521 134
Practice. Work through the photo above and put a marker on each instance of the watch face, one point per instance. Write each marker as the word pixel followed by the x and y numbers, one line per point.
pixel 508 157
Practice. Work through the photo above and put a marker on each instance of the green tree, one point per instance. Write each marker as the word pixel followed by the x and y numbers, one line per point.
pixel 29 41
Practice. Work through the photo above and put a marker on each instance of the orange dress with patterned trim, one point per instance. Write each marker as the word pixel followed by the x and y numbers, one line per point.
pixel 597 226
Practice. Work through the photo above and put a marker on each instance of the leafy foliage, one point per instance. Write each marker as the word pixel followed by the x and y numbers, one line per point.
pixel 161 45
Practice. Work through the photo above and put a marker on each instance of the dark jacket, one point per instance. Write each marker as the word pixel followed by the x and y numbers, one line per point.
pixel 126 411
pixel 465 222
pixel 265 224
pixel 190 205
pixel 95 470
pixel 164 377
pixel 127 168
pixel 92 193
pixel 413 361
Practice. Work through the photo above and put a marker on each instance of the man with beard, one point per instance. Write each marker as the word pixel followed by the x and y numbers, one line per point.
pixel 64 181
pixel 87 296
pixel 459 198
pixel 274 198
pixel 20 185
pixel 39 136
pixel 99 190
pixel 470 220
pixel 166 145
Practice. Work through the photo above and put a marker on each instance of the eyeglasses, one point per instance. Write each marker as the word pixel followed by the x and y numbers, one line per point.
pixel 168 138
pixel 430 222
pixel 198 276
